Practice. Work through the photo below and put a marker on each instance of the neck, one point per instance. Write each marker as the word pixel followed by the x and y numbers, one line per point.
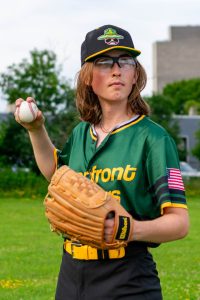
pixel 113 115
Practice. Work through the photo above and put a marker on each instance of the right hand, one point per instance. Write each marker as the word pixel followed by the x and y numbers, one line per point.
pixel 36 124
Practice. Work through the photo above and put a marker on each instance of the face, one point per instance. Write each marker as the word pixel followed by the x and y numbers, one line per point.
pixel 113 81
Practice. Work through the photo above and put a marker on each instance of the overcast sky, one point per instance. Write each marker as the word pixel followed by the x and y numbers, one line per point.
pixel 61 25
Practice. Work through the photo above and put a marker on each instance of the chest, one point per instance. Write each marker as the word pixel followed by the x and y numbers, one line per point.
pixel 100 138
pixel 108 153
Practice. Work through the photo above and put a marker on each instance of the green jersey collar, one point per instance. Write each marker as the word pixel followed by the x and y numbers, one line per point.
pixel 119 127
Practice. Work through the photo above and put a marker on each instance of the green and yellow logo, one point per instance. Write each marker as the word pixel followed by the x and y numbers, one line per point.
pixel 110 36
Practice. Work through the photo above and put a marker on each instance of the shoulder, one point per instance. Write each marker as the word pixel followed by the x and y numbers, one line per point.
pixel 81 127
pixel 154 130
pixel 155 135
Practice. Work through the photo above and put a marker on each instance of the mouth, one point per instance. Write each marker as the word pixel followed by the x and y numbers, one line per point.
pixel 117 83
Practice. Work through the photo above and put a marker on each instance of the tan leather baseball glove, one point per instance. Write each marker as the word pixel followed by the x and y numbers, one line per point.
pixel 77 207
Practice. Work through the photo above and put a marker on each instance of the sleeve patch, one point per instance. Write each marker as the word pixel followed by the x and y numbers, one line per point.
pixel 175 180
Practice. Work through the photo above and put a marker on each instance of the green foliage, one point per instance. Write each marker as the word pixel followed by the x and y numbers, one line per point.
pixel 22 183
pixel 196 149
pixel 15 147
pixel 161 113
pixel 192 187
pixel 41 79
pixel 192 104
pixel 181 92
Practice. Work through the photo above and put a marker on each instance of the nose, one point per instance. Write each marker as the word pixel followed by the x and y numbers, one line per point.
pixel 116 70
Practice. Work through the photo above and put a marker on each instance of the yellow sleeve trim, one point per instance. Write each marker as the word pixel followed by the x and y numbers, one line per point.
pixel 55 157
pixel 169 204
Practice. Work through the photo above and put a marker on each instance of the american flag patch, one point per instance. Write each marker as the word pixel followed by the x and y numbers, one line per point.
pixel 175 181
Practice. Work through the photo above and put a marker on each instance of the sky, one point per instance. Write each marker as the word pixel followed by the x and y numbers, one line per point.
pixel 61 26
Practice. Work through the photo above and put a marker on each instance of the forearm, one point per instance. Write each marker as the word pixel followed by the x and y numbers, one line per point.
pixel 169 227
pixel 43 151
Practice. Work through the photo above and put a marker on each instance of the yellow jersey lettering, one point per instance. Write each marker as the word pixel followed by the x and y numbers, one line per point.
pixel 97 173
pixel 107 174
pixel 129 173
pixel 86 173
pixel 92 173
pixel 116 194
pixel 104 177
pixel 119 175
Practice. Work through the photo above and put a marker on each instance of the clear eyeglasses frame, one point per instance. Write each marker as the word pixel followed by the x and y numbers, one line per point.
pixel 107 62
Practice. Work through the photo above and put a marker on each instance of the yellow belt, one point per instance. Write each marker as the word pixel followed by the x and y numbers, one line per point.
pixel 85 252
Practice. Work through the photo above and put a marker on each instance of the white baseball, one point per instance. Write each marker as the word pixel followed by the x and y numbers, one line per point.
pixel 27 112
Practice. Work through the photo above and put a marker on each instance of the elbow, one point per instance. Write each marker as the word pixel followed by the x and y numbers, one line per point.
pixel 184 232
pixel 184 228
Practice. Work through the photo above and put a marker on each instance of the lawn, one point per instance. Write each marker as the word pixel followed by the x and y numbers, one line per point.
pixel 30 255
pixel 179 262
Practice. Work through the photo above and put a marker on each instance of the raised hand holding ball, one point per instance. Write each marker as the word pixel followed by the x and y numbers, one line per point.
pixel 27 111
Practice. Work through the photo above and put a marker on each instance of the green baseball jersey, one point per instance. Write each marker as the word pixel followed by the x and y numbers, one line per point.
pixel 137 163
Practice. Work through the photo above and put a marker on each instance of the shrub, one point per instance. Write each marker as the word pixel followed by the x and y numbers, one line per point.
pixel 192 186
pixel 22 183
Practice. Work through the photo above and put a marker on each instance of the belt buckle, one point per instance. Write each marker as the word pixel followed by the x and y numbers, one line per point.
pixel 74 244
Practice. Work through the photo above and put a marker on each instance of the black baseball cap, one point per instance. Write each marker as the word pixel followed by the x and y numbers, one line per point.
pixel 106 38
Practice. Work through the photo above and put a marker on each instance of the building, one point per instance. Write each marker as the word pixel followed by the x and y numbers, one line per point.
pixel 178 58
pixel 189 125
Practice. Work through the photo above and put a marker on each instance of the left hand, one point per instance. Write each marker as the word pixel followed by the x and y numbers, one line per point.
pixel 109 229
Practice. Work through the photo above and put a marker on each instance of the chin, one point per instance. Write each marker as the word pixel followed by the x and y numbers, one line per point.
pixel 119 98
pixel 115 97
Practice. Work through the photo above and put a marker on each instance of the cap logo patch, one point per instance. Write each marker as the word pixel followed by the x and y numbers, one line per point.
pixel 110 37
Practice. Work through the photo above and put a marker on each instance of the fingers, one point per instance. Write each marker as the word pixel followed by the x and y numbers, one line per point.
pixel 37 123
pixel 17 105
pixel 109 229
pixel 18 102
pixel 30 99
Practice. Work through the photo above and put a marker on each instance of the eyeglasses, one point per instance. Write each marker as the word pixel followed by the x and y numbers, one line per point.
pixel 107 62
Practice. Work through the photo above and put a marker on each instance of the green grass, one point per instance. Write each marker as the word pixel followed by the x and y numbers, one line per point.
pixel 178 262
pixel 30 255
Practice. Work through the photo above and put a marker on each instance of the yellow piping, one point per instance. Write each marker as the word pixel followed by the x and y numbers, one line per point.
pixel 111 48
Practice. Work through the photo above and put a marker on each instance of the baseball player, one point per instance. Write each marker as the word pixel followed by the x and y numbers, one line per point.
pixel 120 148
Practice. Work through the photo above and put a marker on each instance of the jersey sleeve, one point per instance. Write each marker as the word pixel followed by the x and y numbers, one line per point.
pixel 61 157
pixel 164 175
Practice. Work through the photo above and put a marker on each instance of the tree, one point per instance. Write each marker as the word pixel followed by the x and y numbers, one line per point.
pixel 196 149
pixel 40 78
pixel 15 148
pixel 181 92
pixel 192 105
pixel 162 113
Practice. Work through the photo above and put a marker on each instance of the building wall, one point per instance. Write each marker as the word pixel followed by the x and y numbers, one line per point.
pixel 188 127
pixel 178 58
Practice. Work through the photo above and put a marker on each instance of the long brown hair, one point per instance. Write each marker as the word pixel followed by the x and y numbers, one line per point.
pixel 87 101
